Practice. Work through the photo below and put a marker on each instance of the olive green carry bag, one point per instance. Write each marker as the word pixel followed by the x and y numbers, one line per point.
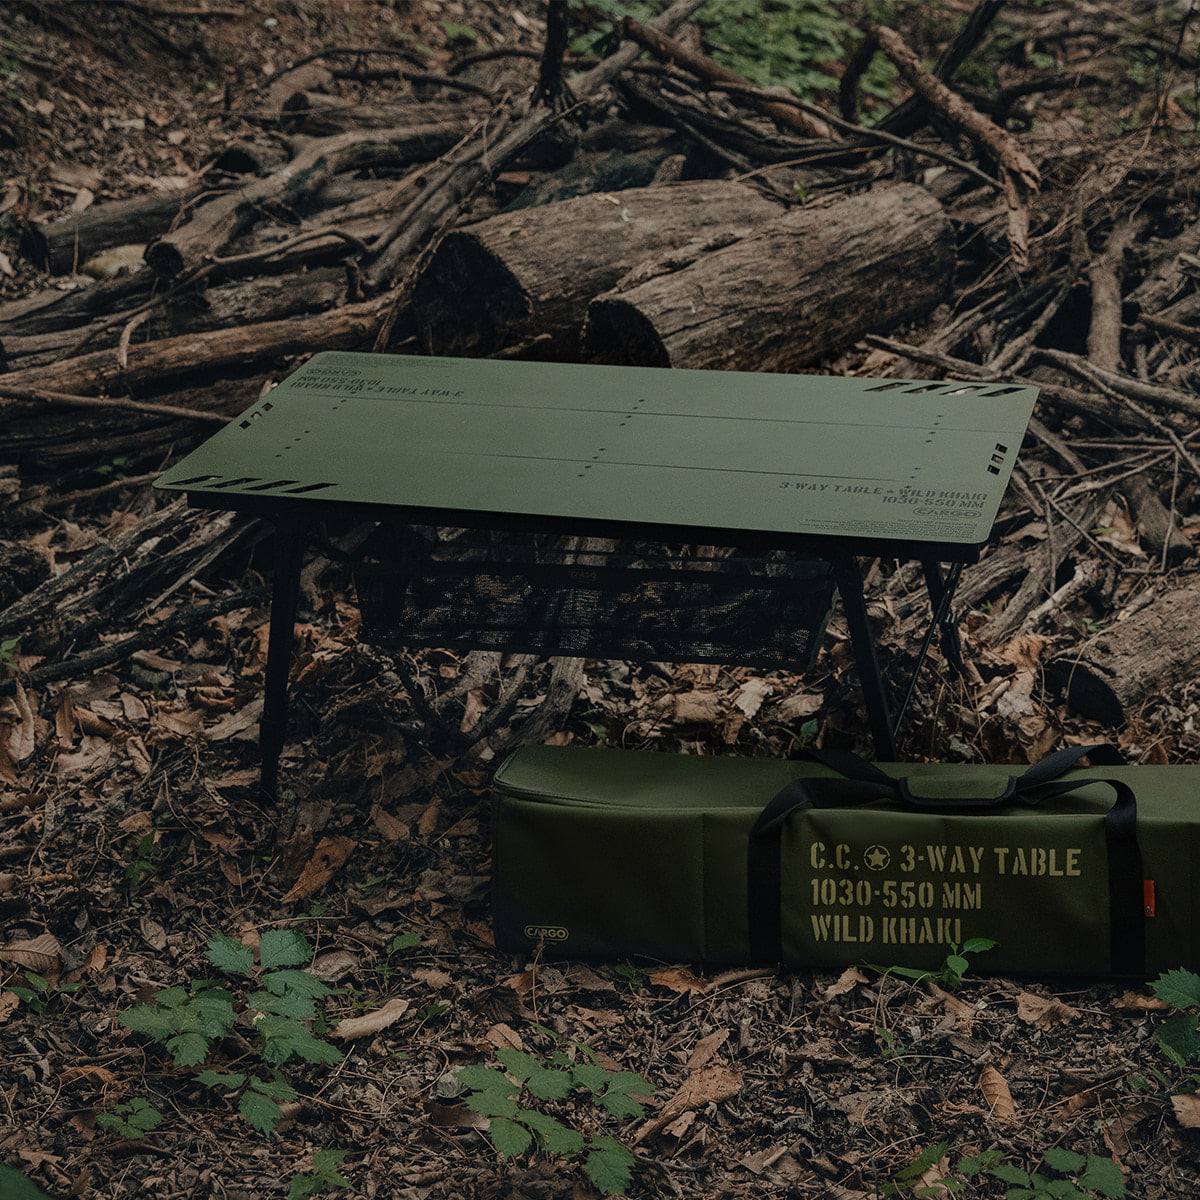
pixel 610 853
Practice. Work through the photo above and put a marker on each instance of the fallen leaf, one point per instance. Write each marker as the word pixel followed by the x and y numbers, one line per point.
pixel 334 966
pixel 995 1091
pixel 391 829
pixel 504 1037
pixel 681 980
pixel 751 695
pixel 705 1048
pixel 433 977
pixel 330 855
pixel 372 1022
pixel 40 954
pixel 1187 1110
pixel 233 723
pixel 847 981
pixel 1044 1012
pixel 86 1074
pixel 706 1086
pixel 695 707
pixel 16 712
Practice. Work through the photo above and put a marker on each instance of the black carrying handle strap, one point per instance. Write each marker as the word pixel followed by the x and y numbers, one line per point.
pixel 863 783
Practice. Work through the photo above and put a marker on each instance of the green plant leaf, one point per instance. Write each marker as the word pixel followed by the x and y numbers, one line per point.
pixel 609 1166
pixel 492 1104
pixel 956 965
pixel 284 1038
pixel 1178 1038
pixel 188 1049
pixel 260 1111
pixel 14 1186
pixel 151 1019
pixel 1104 1176
pixel 591 1076
pixel 211 1011
pixel 233 1079
pixel 1009 1174
pixel 230 956
pixel 277 1088
pixel 289 1004
pixel 142 1115
pixel 301 983
pixel 508 1137
pixel 518 1064
pixel 1067 1162
pixel 283 948
pixel 978 945
pixel 972 1165
pixel 1178 988
pixel 618 1100
pixel 555 1137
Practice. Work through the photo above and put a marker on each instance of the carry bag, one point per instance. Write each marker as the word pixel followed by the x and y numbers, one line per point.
pixel 835 861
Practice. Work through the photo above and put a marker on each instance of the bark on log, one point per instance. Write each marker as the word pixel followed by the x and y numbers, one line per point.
pixel 1113 674
pixel 508 279
pixel 216 223
pixel 203 353
pixel 61 247
pixel 247 302
pixel 1158 531
pixel 805 284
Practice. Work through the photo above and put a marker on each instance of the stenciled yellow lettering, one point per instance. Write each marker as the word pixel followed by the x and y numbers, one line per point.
pixel 1073 862
pixel 816 855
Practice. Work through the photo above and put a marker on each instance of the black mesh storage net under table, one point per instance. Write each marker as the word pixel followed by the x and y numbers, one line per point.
pixel 623 512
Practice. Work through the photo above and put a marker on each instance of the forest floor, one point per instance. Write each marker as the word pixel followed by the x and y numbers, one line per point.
pixel 133 836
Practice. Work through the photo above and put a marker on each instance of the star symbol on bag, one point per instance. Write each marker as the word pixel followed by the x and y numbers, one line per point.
pixel 876 857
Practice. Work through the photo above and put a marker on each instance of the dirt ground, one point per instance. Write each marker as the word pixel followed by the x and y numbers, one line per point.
pixel 132 832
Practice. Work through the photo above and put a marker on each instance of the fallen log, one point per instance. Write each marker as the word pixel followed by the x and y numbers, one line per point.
pixel 503 281
pixel 62 246
pixel 794 289
pixel 196 354
pixel 215 224
pixel 1113 674
pixel 463 172
pixel 247 302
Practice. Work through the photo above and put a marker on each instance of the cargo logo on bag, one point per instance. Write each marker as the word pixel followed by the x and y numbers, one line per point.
pixel 547 933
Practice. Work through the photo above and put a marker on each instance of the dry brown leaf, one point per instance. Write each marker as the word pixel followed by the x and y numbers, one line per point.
pixel 995 1091
pixel 681 980
pixel 505 1037
pixel 695 708
pixel 1132 1002
pixel 16 713
pixel 847 981
pixel 1044 1012
pixel 9 1002
pixel 1187 1110
pixel 429 819
pixel 433 977
pixel 330 854
pixel 391 829
pixel 705 1048
pixel 86 1074
pixel 372 1022
pixel 234 723
pixel 706 1086
pixel 751 695
pixel 1117 1131
pixel 40 954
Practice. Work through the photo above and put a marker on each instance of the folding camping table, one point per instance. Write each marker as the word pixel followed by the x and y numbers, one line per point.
pixel 780 467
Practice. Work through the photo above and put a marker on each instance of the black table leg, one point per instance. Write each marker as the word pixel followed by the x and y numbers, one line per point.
pixel 850 585
pixel 289 555
pixel 941 591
